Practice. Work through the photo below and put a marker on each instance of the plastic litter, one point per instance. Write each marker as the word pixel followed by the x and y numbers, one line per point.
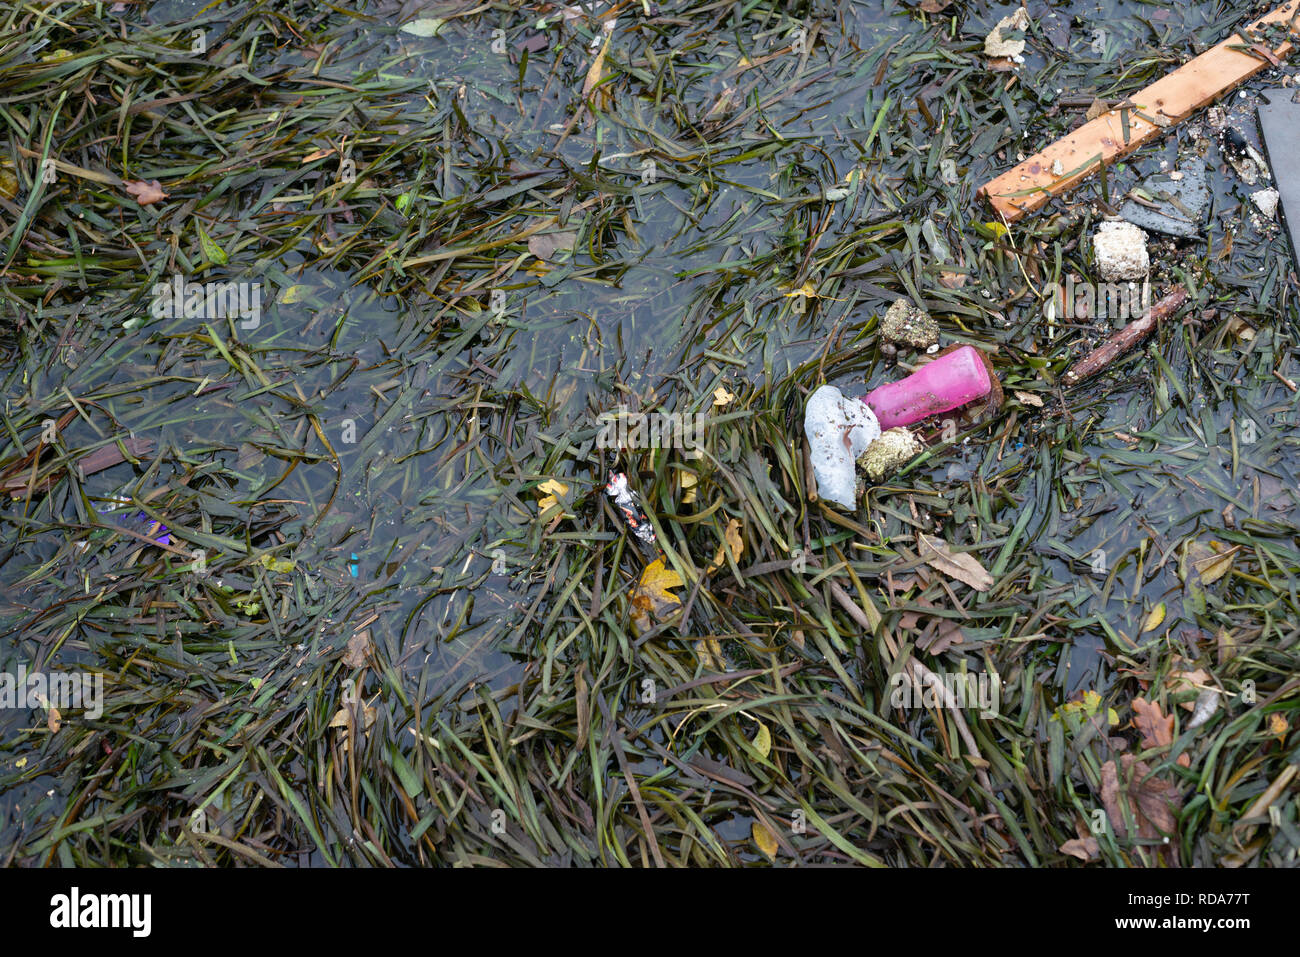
pixel 840 430
pixel 116 504
pixel 947 383
pixel 625 501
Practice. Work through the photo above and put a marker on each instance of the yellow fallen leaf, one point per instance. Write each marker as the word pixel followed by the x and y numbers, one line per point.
pixel 997 229
pixel 763 740
pixel 295 293
pixel 689 483
pixel 281 565
pixel 722 397
pixel 1216 566
pixel 764 840
pixel 554 489
pixel 1089 705
pixel 806 290
pixel 1278 726
pixel 1155 619
pixel 732 541
pixel 596 72
pixel 652 595
pixel 709 651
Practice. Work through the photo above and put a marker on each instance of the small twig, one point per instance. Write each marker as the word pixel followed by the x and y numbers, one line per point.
pixel 1124 340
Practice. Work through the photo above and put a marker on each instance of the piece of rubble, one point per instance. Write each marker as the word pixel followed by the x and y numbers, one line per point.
pixel 998 46
pixel 1181 201
pixel 1265 201
pixel 839 429
pixel 1120 251
pixel 889 453
pixel 1242 157
pixel 909 325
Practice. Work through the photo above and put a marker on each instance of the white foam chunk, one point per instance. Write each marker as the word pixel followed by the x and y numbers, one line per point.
pixel 828 419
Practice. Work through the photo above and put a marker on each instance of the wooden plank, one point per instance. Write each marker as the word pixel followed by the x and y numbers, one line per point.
pixel 1167 101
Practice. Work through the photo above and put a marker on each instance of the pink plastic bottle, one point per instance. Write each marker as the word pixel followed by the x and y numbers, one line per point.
pixel 946 383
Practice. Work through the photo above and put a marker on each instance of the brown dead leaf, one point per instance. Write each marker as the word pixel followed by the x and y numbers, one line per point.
pixel 934 6
pixel 1084 848
pixel 1157 730
pixel 940 635
pixel 54 720
pixel 359 648
pixel 316 154
pixel 545 245
pixel 1189 681
pixel 958 565
pixel 105 457
pixel 145 193
pixel 1241 329
pixel 364 714
pixel 1153 802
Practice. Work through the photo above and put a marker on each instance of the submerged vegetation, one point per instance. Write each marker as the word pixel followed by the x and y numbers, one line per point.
pixel 336 536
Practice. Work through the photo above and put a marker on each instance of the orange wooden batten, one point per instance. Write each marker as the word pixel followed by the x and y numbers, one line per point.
pixel 1169 100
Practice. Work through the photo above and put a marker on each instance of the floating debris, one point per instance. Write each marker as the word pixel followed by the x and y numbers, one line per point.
pixel 889 453
pixel 998 46
pixel 1174 203
pixel 1265 201
pixel 841 430
pixel 838 431
pixel 118 502
pixel 1243 157
pixel 1124 340
pixel 947 383
pixel 909 325
pixel 1124 127
pixel 625 500
pixel 1120 251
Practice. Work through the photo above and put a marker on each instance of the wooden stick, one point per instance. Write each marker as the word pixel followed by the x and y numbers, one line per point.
pixel 1124 340
pixel 1128 125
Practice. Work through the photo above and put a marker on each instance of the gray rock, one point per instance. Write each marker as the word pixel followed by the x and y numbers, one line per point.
pixel 1183 198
